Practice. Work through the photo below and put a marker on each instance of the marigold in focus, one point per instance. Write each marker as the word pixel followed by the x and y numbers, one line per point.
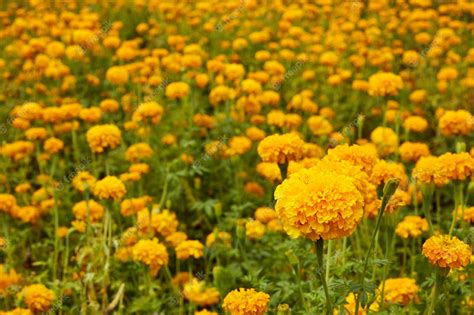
pixel 447 251
pixel 109 187
pixel 246 302
pixel 318 204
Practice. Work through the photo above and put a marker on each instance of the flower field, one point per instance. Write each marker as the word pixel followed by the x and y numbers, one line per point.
pixel 240 157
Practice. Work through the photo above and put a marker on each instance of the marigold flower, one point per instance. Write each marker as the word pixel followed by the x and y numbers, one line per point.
pixel 319 204
pixel 385 84
pixel 246 302
pixel 148 111
pixel 189 248
pixel 384 171
pixel 53 145
pixel 350 304
pixel 118 75
pixel 238 146
pixel 7 202
pixel 92 208
pixel 37 297
pixel 177 90
pixel 197 292
pixel 429 170
pixel 254 229
pixel 8 278
pixel 457 166
pixel 413 151
pixel 411 226
pixel 415 123
pixel 281 148
pixel 220 236
pixel 109 187
pixel 447 251
pixel 385 139
pixel 356 155
pixel 319 125
pixel 164 222
pixel 456 123
pixel 400 290
pixel 151 253
pixel 83 180
pixel 270 171
pixel 102 137
pixel 176 238
pixel 265 214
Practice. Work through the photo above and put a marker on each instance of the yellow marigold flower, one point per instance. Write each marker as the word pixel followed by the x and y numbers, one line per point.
pixel 429 170
pixel 456 123
pixel 151 253
pixel 109 187
pixel 91 207
pixel 205 312
pixel 53 145
pixel 220 94
pixel 415 123
pixel 255 134
pixel 109 105
pixel 413 151
pixel 220 236
pixel 246 302
pixel 118 75
pixel 350 304
pixel 38 133
pixel 37 297
pixel 385 84
pixel 148 111
pixel 468 214
pixel 447 251
pixel 319 125
pixel 164 222
pixel 385 139
pixel 177 90
pixel 176 238
pixel 458 166
pixel 329 58
pixel 18 150
pixel 254 229
pixel 400 290
pixel 265 214
pixel 22 188
pixel 62 231
pixel 270 171
pixel 197 292
pixel 319 204
pixel 138 151
pixel 132 206
pixel 189 248
pixel 411 226
pixel 102 137
pixel 418 96
pixel 91 114
pixel 281 148
pixel 384 171
pixel 7 203
pixel 83 180
pixel 356 155
pixel 7 278
pixel 238 145
pixel 447 74
pixel 141 168
pixel 169 139
pixel 27 214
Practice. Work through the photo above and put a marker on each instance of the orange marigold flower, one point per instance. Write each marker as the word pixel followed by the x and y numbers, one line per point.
pixel 385 139
pixel 385 84
pixel 456 123
pixel 189 248
pixel 118 75
pixel 102 137
pixel 415 123
pixel 411 226
pixel 429 170
pixel 197 292
pixel 7 278
pixel 413 151
pixel 458 166
pixel 92 208
pixel 319 204
pixel 400 290
pixel 83 180
pixel 37 297
pixel 254 229
pixel 447 251
pixel 246 302
pixel 53 145
pixel 281 148
pixel 355 154
pixel 109 187
pixel 164 222
pixel 151 253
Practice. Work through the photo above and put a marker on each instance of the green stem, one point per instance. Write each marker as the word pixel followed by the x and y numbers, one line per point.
pixel 436 289
pixel 427 191
pixel 388 192
pixel 320 254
